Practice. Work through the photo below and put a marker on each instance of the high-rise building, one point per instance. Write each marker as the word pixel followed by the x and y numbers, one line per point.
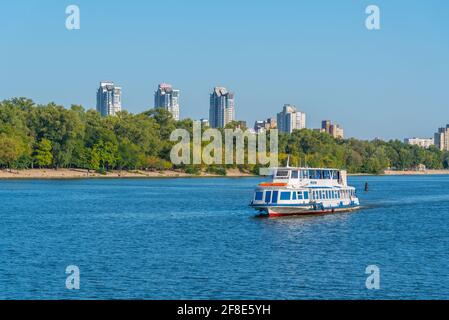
pixel 221 110
pixel 420 142
pixel 272 123
pixel 168 98
pixel 290 119
pixel 333 129
pixel 326 126
pixel 442 139
pixel 109 99
pixel 337 132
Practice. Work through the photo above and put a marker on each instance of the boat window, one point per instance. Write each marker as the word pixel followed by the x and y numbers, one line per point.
pixel 300 195
pixel 259 196
pixel 282 174
pixel 306 195
pixel 304 174
pixel 274 198
pixel 294 175
pixel 326 174
pixel 294 196
pixel 285 195
pixel 268 196
pixel 336 175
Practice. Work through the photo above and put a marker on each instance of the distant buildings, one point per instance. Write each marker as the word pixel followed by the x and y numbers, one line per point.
pixel 204 123
pixel 167 98
pixel 221 110
pixel 420 142
pixel 333 129
pixel 260 126
pixel 290 119
pixel 109 99
pixel 242 124
pixel 265 125
pixel 441 139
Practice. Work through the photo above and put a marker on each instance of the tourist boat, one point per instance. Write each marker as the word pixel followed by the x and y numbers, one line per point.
pixel 305 191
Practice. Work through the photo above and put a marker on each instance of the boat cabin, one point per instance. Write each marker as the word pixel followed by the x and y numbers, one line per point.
pixel 310 175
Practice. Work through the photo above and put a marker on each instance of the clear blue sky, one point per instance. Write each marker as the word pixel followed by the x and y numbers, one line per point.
pixel 318 55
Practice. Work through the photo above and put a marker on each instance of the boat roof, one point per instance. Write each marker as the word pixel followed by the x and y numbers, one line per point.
pixel 304 168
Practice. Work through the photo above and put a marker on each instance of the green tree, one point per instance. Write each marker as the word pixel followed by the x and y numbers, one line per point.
pixel 129 155
pixel 94 160
pixel 11 148
pixel 107 152
pixel 43 155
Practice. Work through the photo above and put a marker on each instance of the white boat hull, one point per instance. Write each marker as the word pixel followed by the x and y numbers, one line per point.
pixel 310 210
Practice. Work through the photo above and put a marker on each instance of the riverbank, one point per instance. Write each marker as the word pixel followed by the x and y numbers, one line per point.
pixel 414 172
pixel 83 174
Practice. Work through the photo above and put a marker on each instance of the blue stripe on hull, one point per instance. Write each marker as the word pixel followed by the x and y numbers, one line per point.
pixel 257 206
pixel 301 209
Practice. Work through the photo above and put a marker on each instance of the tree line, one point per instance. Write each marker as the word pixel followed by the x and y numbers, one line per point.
pixel 51 136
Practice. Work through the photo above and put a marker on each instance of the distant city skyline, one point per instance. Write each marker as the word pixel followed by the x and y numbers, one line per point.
pixel 318 55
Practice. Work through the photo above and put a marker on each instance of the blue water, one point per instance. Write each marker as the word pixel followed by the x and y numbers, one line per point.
pixel 198 239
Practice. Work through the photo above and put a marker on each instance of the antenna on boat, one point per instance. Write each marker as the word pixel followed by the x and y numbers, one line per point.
pixel 288 161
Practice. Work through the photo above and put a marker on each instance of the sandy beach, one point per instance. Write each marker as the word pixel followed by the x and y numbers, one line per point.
pixel 83 174
pixel 414 172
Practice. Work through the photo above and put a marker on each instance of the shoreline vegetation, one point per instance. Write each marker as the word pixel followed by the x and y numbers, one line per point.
pixel 61 174
pixel 51 141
